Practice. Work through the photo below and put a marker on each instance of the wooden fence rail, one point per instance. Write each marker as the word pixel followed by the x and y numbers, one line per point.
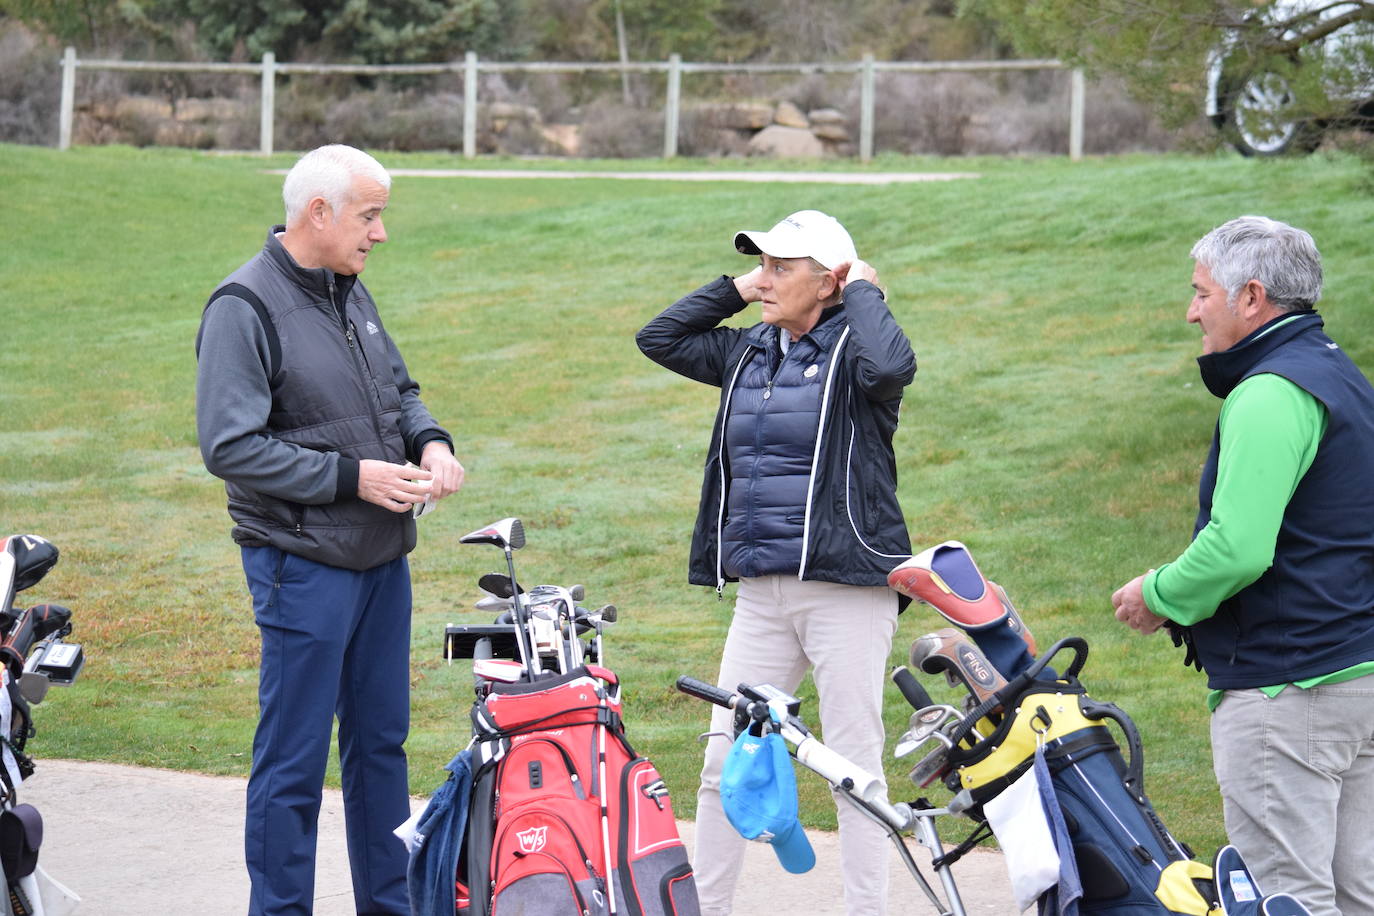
pixel 471 68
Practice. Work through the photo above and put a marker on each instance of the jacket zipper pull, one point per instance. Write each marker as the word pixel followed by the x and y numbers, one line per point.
pixel 768 390
pixel 349 334
pixel 720 591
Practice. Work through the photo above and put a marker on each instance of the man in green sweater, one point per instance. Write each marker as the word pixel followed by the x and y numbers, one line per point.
pixel 1275 594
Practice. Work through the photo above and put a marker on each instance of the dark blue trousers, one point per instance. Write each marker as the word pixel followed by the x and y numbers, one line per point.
pixel 334 643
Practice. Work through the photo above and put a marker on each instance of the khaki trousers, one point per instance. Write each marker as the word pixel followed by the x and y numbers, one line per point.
pixel 782 627
pixel 1297 784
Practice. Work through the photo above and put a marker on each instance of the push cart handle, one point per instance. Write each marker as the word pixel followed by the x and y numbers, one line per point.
pixel 708 692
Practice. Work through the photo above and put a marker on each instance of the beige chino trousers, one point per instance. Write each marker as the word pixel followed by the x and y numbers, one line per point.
pixel 783 627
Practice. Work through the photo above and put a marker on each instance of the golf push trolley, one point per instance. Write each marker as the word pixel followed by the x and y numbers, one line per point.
pixel 1028 755
pixel 549 811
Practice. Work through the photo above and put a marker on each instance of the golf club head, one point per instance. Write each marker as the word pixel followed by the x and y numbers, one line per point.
pixel 905 745
pixel 577 592
pixel 549 601
pixel 508 534
pixel 925 724
pixel 931 767
pixel 27 558
pixel 947 651
pixel 497 584
pixel 607 613
pixel 34 686
pixel 492 603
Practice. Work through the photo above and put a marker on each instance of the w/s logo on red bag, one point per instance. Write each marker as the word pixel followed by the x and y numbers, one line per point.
pixel 533 840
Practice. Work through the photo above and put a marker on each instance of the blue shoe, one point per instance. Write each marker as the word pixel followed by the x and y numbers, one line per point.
pixel 1282 905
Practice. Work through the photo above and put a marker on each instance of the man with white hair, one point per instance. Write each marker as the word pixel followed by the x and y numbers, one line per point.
pixel 1275 594
pixel 799 504
pixel 306 410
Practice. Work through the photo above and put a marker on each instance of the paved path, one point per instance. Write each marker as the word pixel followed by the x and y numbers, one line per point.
pixel 785 177
pixel 791 177
pixel 134 842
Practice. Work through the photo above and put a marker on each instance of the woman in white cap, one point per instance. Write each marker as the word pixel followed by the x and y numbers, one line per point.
pixel 799 505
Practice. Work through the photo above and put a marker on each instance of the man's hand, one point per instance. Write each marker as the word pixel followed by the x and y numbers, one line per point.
pixel 393 486
pixel 448 473
pixel 1129 601
pixel 856 270
pixel 748 285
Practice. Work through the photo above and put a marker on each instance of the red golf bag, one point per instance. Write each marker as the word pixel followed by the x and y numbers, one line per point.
pixel 565 818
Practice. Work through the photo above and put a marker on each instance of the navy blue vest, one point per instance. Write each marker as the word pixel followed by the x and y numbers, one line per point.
pixel 770 443
pixel 1312 612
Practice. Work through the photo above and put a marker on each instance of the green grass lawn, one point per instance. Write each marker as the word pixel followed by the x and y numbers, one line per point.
pixel 1056 425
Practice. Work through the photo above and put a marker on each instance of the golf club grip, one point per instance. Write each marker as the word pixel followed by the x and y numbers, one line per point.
pixel 30 626
pixel 911 688
pixel 708 692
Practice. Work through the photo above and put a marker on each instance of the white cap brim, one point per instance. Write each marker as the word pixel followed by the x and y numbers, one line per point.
pixel 804 234
pixel 778 246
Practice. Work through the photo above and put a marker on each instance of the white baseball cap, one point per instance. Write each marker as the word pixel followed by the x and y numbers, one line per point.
pixel 804 234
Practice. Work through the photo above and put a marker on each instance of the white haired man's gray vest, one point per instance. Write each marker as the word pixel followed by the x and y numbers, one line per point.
pixel 334 389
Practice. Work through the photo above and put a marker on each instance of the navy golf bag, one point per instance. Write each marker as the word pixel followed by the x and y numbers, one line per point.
pixel 1128 862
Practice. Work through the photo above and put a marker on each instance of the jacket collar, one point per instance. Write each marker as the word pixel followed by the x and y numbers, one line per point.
pixel 1222 372
pixel 823 334
pixel 318 280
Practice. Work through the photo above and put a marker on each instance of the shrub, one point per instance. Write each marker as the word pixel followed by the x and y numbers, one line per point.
pixel 926 113
pixel 1006 113
pixel 613 130
pixel 403 121
pixel 30 86
pixel 1113 122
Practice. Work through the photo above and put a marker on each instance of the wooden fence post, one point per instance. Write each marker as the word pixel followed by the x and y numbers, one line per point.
pixel 267 116
pixel 866 89
pixel 470 105
pixel 670 113
pixel 1076 92
pixel 64 116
